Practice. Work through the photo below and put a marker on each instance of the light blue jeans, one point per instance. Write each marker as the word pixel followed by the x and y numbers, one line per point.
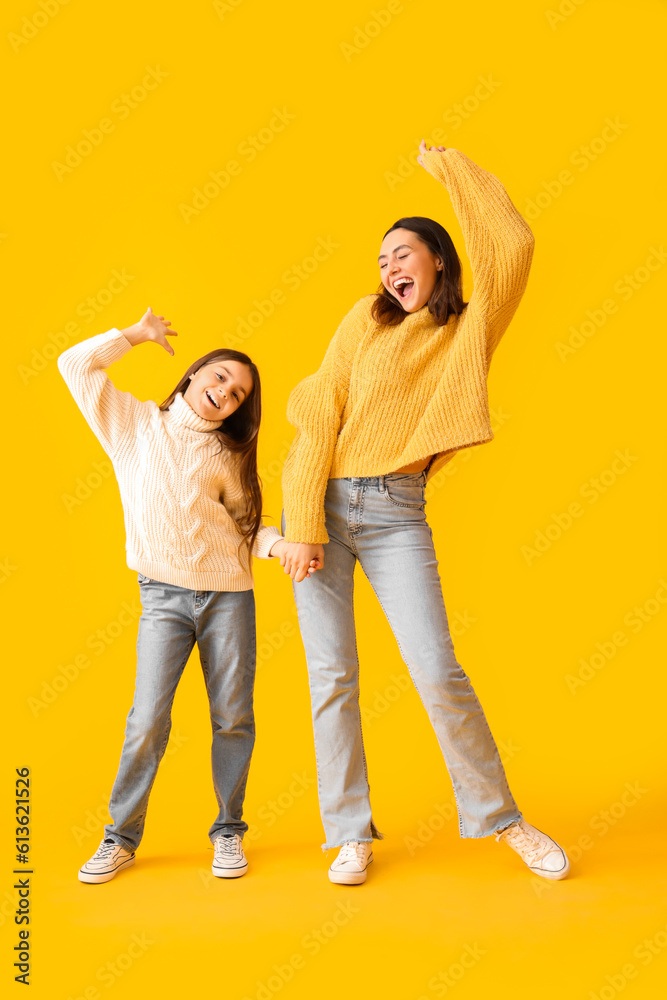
pixel 173 619
pixel 381 522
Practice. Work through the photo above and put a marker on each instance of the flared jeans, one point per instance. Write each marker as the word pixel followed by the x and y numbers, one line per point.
pixel 380 521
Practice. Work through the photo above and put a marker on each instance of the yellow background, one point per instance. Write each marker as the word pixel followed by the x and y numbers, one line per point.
pixel 521 623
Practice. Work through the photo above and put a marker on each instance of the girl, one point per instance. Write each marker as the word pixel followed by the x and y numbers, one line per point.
pixel 187 473
pixel 402 387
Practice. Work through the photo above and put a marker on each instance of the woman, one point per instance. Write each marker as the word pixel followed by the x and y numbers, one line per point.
pixel 402 387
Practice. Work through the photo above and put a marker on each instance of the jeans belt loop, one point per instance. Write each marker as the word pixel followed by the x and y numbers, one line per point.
pixel 381 483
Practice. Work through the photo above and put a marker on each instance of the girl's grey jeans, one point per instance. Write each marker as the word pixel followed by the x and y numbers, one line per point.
pixel 173 619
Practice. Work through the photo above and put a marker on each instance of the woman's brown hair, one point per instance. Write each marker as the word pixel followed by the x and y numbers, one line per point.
pixel 447 295
pixel 238 433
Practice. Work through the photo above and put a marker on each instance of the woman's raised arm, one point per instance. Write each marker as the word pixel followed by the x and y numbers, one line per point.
pixel 498 240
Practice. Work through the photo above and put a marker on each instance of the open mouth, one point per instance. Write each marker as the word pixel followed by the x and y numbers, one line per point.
pixel 403 287
pixel 212 400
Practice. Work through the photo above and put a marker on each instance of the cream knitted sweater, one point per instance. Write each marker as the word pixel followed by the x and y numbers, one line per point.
pixel 179 486
pixel 388 396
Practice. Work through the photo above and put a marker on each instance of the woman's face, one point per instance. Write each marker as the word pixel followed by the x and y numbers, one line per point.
pixel 219 388
pixel 404 256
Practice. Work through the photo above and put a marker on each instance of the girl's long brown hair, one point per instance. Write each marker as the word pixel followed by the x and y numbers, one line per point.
pixel 238 433
pixel 447 295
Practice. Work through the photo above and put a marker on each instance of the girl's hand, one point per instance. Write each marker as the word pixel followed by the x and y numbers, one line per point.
pixel 423 148
pixel 301 559
pixel 151 327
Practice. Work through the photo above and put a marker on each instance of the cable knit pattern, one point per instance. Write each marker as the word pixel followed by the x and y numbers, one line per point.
pixel 388 396
pixel 180 488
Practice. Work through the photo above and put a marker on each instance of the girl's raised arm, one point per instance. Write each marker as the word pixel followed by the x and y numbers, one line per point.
pixel 498 240
pixel 110 413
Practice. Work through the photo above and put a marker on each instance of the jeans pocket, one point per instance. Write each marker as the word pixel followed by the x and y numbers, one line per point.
pixel 405 492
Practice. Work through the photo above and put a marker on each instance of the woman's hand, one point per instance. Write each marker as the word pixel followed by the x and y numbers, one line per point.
pixel 301 559
pixel 150 327
pixel 423 148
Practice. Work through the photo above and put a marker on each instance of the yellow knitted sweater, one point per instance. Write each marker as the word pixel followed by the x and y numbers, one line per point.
pixel 388 396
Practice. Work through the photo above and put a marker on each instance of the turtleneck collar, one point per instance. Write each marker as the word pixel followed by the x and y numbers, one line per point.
pixel 182 413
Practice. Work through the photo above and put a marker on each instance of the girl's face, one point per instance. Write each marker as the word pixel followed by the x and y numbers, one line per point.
pixel 404 256
pixel 219 388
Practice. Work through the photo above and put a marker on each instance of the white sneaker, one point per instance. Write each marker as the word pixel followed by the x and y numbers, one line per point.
pixel 350 866
pixel 229 861
pixel 542 854
pixel 109 859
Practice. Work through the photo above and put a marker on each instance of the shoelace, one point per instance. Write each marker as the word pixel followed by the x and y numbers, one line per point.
pixel 527 842
pixel 228 847
pixel 103 851
pixel 352 851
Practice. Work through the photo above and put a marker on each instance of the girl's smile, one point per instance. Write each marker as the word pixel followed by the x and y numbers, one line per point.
pixel 219 388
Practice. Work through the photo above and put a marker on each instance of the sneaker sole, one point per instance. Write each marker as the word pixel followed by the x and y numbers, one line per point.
pixel 349 878
pixel 93 879
pixel 229 872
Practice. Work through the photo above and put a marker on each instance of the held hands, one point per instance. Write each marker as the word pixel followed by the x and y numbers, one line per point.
pixel 423 148
pixel 150 327
pixel 300 559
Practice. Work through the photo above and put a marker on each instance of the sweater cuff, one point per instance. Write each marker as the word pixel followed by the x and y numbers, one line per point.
pixel 267 536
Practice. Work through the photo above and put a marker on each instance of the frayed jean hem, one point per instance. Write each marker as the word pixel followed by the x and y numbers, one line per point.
pixel 357 840
pixel 375 835
pixel 500 826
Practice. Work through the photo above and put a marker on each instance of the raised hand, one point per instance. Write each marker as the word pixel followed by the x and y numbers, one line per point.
pixel 423 148
pixel 151 327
